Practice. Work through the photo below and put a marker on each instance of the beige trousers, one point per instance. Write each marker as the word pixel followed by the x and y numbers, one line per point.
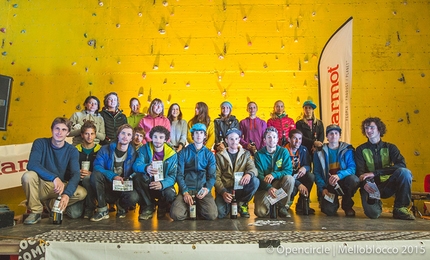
pixel 261 208
pixel 37 190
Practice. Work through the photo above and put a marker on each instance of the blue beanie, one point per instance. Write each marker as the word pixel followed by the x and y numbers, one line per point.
pixel 226 103
pixel 198 127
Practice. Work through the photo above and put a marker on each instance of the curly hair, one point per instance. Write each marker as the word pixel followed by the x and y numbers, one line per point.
pixel 382 128
pixel 105 100
pixel 160 129
pixel 87 125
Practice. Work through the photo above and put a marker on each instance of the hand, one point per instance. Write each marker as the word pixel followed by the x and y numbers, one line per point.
pixel 63 202
pixel 85 173
pixel 366 175
pixel 318 144
pixel 180 146
pixel 251 148
pixel 220 147
pixel 324 192
pixel 272 192
pixel 227 197
pixel 303 190
pixel 203 194
pixel 333 179
pixel 58 186
pixel 188 199
pixel 155 185
pixel 301 172
pixel 268 178
pixel 119 178
pixel 151 171
pixel 246 178
pixel 368 188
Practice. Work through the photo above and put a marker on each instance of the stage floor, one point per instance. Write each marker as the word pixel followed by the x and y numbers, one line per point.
pixel 312 228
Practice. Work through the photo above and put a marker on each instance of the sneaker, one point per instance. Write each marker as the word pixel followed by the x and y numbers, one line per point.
pixel 33 218
pixel 88 213
pixel 145 215
pixel 161 212
pixel 243 210
pixel 100 215
pixel 121 213
pixel 403 213
pixel 350 212
pixel 283 212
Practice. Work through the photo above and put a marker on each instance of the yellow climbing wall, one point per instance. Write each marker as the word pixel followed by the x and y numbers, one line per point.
pixel 185 51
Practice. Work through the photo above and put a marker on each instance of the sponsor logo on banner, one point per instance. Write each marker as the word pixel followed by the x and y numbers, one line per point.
pixel 335 80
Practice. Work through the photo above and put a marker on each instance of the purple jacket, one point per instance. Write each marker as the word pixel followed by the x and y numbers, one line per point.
pixel 252 129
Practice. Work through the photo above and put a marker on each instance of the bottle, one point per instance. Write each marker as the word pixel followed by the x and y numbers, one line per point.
pixel 338 190
pixel 233 210
pixel 56 213
pixel 306 205
pixel 193 215
pixel 273 211
pixel 251 142
pixel 370 200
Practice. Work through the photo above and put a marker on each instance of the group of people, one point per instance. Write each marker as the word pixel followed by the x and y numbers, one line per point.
pixel 271 162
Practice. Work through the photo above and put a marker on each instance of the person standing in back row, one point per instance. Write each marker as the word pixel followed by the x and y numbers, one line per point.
pixel 113 117
pixel 280 120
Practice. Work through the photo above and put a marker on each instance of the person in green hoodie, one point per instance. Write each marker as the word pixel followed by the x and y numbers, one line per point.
pixel 275 171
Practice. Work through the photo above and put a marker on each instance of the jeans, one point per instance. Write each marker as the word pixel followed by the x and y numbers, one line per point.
pixel 104 193
pixel 349 185
pixel 147 196
pixel 206 207
pixel 399 184
pixel 308 181
pixel 242 196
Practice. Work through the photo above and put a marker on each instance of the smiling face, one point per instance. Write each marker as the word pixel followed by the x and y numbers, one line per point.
pixel 112 102
pixel 175 111
pixel 60 132
pixel 157 108
pixel 372 131
pixel 271 140
pixel 295 141
pixel 225 110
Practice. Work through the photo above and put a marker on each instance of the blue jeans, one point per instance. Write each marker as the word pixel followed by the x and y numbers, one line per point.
pixel 242 196
pixel 399 184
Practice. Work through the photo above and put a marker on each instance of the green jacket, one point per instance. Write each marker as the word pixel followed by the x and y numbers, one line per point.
pixel 278 164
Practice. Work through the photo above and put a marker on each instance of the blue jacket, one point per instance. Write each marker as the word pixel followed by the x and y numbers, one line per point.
pixel 170 163
pixel 50 163
pixel 104 162
pixel 346 162
pixel 278 164
pixel 196 169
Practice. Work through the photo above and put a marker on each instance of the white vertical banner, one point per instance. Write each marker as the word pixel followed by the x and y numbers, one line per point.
pixel 335 80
